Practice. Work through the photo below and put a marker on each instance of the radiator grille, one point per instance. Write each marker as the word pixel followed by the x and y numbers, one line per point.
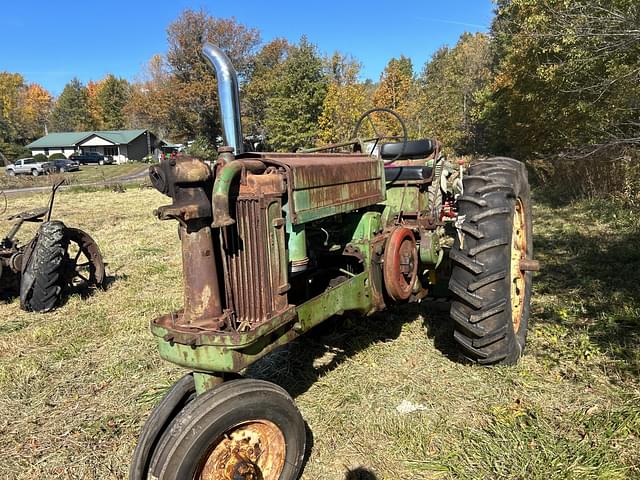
pixel 249 291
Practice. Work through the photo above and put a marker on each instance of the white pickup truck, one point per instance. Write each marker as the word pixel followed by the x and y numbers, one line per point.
pixel 29 166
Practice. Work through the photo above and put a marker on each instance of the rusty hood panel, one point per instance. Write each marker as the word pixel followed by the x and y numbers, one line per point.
pixel 321 185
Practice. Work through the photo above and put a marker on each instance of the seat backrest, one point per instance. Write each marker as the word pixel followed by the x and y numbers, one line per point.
pixel 413 149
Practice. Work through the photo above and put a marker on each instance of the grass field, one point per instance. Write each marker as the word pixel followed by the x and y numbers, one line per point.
pixel 77 384
pixel 86 174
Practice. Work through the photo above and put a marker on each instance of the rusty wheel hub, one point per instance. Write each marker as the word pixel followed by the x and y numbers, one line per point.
pixel 518 255
pixel 250 451
pixel 400 264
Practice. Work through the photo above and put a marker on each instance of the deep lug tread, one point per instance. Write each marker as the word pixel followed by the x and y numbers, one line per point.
pixel 462 293
pixel 478 201
pixel 490 213
pixel 492 310
pixel 498 242
pixel 493 188
pixel 467 344
pixel 463 322
pixel 481 308
pixel 471 230
pixel 484 281
pixel 469 263
pixel 483 178
pixel 41 281
pixel 491 339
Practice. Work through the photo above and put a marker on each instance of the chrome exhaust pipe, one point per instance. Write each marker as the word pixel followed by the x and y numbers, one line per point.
pixel 228 96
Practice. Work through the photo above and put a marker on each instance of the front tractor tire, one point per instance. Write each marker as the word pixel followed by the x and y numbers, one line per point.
pixel 245 429
pixel 491 289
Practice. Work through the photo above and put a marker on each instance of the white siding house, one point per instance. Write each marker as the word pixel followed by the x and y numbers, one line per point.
pixel 122 145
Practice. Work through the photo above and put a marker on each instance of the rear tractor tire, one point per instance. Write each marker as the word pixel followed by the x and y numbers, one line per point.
pixel 42 280
pixel 246 429
pixel 490 280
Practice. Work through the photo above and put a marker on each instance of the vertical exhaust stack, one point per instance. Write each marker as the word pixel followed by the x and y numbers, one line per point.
pixel 228 96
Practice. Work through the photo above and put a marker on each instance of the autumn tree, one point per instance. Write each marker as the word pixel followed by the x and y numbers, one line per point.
pixel 194 91
pixel 567 76
pixel 11 88
pixel 450 94
pixel 345 101
pixel 71 110
pixel 150 103
pixel 394 91
pixel 37 108
pixel 93 88
pixel 295 107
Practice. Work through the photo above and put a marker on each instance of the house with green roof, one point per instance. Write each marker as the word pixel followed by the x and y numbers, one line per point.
pixel 122 145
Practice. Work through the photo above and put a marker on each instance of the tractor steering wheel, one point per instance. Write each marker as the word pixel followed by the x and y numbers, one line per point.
pixel 378 137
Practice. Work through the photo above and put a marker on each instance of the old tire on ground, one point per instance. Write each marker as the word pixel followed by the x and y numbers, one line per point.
pixel 241 429
pixel 41 280
pixel 490 308
pixel 181 393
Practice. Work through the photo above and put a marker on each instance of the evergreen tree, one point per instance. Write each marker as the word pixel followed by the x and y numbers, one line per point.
pixel 111 98
pixel 294 109
pixel 71 111
pixel 263 76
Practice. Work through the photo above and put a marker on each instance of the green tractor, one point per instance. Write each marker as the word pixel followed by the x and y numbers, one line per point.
pixel 273 244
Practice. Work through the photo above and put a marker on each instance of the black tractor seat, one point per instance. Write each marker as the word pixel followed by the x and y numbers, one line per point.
pixel 407 173
pixel 413 149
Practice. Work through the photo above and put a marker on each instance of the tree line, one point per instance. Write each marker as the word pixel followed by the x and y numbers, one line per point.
pixel 554 83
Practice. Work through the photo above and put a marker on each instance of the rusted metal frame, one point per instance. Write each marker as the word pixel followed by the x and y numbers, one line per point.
pixel 222 185
pixel 336 208
pixel 353 294
pixel 168 330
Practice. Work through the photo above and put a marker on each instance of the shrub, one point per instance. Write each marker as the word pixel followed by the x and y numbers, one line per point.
pixel 201 148
pixel 57 156
pixel 40 157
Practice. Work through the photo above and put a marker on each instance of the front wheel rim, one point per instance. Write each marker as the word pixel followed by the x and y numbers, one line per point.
pixel 518 253
pixel 254 450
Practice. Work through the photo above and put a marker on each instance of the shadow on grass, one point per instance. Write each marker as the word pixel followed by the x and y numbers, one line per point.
pixel 596 280
pixel 298 365
pixel 360 473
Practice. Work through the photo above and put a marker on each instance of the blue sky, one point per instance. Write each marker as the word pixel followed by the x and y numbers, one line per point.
pixel 51 41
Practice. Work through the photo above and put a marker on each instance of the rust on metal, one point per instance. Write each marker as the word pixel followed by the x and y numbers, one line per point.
pixel 323 185
pixel 254 247
pixel 186 180
pixel 518 255
pixel 529 265
pixel 254 450
pixel 400 263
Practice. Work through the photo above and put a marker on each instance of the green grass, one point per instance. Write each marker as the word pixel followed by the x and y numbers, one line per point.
pixel 77 384
pixel 86 174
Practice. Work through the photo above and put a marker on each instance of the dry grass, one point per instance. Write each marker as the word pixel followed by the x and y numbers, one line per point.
pixel 86 174
pixel 76 384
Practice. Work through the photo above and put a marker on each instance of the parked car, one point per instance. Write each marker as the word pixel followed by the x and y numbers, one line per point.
pixel 61 165
pixel 29 166
pixel 91 157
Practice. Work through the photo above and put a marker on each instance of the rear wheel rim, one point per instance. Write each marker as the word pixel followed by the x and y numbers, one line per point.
pixel 254 450
pixel 518 253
